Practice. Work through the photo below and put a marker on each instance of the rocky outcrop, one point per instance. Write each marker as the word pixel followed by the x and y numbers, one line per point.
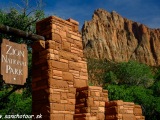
pixel 110 36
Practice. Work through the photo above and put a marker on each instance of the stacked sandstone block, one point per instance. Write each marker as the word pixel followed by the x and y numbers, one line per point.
pixel 137 111
pixel 52 84
pixel 90 103
pixel 119 110
pixel 67 47
pixel 58 68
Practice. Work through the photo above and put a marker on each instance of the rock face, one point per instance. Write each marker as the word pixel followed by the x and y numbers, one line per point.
pixel 110 36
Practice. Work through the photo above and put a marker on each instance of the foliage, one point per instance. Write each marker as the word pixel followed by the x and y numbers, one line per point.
pixel 110 78
pixel 149 102
pixel 24 19
pixel 97 69
pixel 156 88
pixel 131 73
pixel 129 81
pixel 16 103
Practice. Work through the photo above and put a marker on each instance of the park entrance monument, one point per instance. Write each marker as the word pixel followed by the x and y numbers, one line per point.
pixel 60 78
pixel 60 88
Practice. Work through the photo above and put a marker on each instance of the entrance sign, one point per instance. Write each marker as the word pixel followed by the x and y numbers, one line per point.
pixel 14 62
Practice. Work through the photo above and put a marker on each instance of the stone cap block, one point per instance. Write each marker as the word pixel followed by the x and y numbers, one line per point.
pixel 95 88
pixel 114 103
pixel 105 91
pixel 52 19
pixel 137 106
pixel 137 110
pixel 73 21
pixel 48 20
pixel 129 103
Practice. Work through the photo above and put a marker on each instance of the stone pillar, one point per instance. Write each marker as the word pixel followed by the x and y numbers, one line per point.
pixel 67 47
pixel 137 111
pixel 119 110
pixel 58 68
pixel 90 103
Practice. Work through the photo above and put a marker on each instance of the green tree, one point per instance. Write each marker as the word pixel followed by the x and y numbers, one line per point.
pixel 131 73
pixel 16 103
pixel 24 18
pixel 97 70
pixel 156 88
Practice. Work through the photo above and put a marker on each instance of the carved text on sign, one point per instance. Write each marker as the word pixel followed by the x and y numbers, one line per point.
pixel 13 51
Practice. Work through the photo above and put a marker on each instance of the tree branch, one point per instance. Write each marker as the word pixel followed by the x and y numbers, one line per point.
pixel 20 33
pixel 30 23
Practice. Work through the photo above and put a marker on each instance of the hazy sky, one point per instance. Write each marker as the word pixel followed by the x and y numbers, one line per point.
pixel 142 11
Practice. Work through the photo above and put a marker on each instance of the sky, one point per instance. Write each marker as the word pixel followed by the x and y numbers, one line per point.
pixel 143 11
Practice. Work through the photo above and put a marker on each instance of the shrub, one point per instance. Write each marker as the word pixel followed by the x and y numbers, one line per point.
pixel 139 95
pixel 156 88
pixel 132 73
pixel 16 103
pixel 110 78
pixel 97 69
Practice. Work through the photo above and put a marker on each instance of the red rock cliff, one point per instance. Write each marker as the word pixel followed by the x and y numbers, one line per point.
pixel 110 36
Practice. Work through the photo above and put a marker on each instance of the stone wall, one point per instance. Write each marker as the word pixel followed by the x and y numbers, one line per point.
pixel 90 103
pixel 58 68
pixel 119 110
pixel 60 78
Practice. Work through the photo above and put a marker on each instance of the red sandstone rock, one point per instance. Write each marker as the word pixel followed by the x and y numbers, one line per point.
pixel 110 36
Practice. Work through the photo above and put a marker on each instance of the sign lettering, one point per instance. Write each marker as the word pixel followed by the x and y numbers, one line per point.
pixel 12 51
